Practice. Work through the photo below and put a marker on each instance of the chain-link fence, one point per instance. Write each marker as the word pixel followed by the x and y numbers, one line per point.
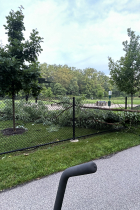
pixel 51 120
pixel 117 102
pixel 35 124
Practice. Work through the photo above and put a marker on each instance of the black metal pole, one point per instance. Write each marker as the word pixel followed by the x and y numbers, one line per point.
pixel 73 118
pixel 125 102
pixel 82 169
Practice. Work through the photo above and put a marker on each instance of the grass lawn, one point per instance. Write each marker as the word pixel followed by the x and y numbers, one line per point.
pixel 36 134
pixel 1 105
pixel 21 167
pixel 116 100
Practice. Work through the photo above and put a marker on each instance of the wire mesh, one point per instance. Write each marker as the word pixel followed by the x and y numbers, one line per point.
pixel 36 123
pixel 45 120
pixel 99 115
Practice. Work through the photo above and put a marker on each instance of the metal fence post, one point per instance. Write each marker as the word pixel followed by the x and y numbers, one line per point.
pixel 125 102
pixel 82 169
pixel 73 118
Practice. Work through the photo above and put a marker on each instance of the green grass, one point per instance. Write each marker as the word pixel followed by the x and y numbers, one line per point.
pixel 116 100
pixel 2 105
pixel 21 167
pixel 35 135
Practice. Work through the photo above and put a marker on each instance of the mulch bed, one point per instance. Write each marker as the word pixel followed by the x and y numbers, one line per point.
pixel 10 131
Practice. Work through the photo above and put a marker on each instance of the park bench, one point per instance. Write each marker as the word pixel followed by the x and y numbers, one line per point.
pixel 101 103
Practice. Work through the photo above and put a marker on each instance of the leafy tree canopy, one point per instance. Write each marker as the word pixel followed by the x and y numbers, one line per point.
pixel 125 73
pixel 15 73
pixel 76 81
pixel 19 66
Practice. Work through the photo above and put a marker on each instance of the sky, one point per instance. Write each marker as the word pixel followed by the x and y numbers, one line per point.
pixel 79 33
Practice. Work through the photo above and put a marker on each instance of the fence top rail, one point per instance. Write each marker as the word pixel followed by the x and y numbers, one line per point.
pixel 125 110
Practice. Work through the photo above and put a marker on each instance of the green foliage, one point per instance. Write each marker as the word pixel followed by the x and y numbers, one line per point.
pixel 93 118
pixel 111 117
pixel 59 90
pixel 6 110
pixel 15 74
pixel 36 112
pixel 58 156
pixel 76 81
pixel 49 92
pixel 27 112
pixel 46 92
pixel 53 128
pixel 73 88
pixel 125 73
pixel 129 117
pixel 85 118
pixel 100 94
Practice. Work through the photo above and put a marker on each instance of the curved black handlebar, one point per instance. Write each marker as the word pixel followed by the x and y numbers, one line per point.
pixel 82 169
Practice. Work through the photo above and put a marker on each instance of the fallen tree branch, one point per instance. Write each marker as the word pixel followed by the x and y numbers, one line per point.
pixel 63 111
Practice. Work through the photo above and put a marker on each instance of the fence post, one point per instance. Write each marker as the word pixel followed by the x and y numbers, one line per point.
pixel 125 102
pixel 73 118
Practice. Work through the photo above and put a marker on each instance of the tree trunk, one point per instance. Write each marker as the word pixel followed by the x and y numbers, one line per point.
pixel 27 96
pixel 131 101
pixel 13 105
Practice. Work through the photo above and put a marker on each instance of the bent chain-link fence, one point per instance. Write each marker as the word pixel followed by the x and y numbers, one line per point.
pixel 35 124
pixel 53 120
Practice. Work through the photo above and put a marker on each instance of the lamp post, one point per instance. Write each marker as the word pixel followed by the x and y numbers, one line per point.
pixel 109 102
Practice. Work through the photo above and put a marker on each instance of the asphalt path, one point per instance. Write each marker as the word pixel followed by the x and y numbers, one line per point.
pixel 56 107
pixel 115 186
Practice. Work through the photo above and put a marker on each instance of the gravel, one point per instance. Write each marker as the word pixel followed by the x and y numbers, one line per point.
pixel 115 186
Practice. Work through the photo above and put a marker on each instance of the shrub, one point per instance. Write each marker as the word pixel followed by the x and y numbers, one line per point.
pixel 85 118
pixel 111 117
pixel 129 117
pixel 27 112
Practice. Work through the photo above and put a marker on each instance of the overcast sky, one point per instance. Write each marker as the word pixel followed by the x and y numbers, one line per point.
pixel 79 33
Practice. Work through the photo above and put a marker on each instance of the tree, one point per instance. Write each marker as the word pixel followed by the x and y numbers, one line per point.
pixel 49 92
pixel 73 88
pixel 59 89
pixel 100 94
pixel 104 82
pixel 46 92
pixel 125 73
pixel 76 81
pixel 19 67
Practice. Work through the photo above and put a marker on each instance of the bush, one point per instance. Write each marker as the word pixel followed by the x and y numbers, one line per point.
pixel 85 118
pixel 6 112
pixel 111 117
pixel 129 117
pixel 28 112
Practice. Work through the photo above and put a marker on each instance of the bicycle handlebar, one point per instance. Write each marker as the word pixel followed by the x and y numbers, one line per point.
pixel 82 169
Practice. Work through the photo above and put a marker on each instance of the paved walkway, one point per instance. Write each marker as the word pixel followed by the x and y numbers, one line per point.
pixel 115 186
pixel 94 105
pixel 112 106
